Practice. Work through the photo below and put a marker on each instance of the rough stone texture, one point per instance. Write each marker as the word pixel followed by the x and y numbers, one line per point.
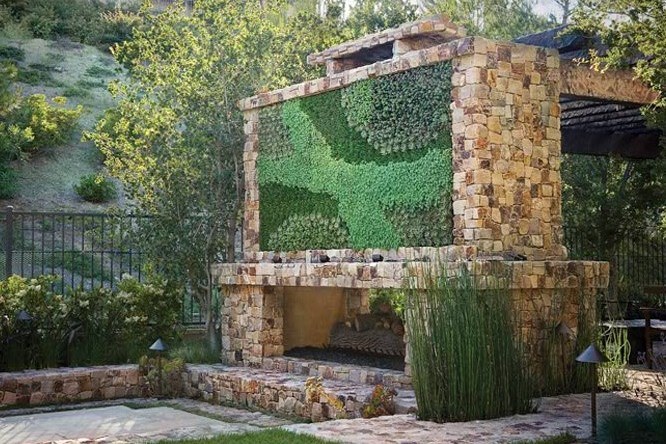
pixel 253 321
pixel 251 324
pixel 522 274
pixel 279 392
pixel 338 372
pixel 59 386
pixel 542 292
pixel 406 37
pixel 506 150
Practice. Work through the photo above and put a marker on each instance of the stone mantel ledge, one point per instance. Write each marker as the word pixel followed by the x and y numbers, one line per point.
pixel 523 274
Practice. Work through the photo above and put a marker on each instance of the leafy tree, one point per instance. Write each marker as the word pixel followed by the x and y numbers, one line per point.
pixel 633 32
pixel 607 202
pixel 369 16
pixel 175 139
pixel 496 19
pixel 618 198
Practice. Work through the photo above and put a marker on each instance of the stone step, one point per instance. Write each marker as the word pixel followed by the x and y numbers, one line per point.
pixel 356 374
pixel 281 392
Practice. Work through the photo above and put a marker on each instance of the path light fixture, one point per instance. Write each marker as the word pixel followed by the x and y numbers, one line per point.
pixel 592 355
pixel 377 257
pixel 24 320
pixel 159 347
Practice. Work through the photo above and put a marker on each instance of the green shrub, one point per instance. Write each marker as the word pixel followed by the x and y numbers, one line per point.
pixel 90 84
pixel 98 71
pixel 96 188
pixel 7 181
pixel 12 53
pixel 195 352
pixel 75 91
pixel 162 378
pixel 84 21
pixel 51 124
pixel 643 428
pixel 395 299
pixel 99 326
pixel 34 77
pixel 467 362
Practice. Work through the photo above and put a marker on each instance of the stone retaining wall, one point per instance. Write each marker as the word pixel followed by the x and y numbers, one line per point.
pixel 65 385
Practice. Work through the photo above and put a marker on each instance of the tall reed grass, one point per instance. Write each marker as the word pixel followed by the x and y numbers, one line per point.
pixel 467 361
pixel 559 372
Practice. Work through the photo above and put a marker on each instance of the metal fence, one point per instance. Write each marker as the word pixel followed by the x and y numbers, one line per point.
pixel 639 258
pixel 84 250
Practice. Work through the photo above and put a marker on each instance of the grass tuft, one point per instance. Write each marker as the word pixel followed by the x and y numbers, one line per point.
pixel 643 428
pixel 195 351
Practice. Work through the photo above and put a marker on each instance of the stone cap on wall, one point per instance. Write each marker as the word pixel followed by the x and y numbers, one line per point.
pixel 387 44
pixel 410 60
pixel 519 274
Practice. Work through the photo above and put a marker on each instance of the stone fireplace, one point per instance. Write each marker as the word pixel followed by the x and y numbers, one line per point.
pixel 504 196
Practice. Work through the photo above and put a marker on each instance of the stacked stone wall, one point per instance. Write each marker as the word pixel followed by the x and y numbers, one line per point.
pixel 67 385
pixel 506 148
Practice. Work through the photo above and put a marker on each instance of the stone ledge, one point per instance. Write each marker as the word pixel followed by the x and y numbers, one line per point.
pixel 522 274
pixel 338 372
pixel 278 392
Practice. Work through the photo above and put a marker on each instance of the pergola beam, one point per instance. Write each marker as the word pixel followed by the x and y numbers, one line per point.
pixel 617 86
pixel 637 146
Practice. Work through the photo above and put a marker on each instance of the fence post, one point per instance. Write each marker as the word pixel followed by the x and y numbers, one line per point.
pixel 8 241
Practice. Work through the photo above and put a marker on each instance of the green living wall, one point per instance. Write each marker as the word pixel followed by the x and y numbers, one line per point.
pixel 368 165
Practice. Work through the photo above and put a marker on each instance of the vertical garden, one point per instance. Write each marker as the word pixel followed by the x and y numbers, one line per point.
pixel 365 166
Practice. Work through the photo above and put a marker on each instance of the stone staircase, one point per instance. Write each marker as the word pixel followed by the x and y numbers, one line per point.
pixel 280 387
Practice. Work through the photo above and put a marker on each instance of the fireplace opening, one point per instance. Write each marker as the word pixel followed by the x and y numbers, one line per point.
pixel 347 326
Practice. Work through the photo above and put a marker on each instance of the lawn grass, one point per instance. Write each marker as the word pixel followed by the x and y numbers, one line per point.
pixel 564 438
pixel 270 436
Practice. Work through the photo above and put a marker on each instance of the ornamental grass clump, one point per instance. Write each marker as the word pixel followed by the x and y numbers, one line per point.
pixel 467 361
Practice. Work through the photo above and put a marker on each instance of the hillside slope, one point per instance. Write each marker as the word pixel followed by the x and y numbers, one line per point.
pixel 81 73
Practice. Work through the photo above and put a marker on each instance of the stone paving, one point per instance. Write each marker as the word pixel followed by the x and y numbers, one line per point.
pixel 556 415
pixel 112 425
pixel 111 422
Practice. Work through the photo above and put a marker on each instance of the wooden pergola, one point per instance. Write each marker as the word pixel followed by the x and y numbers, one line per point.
pixel 600 112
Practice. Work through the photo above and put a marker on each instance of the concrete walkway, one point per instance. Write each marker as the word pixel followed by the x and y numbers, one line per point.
pixel 112 425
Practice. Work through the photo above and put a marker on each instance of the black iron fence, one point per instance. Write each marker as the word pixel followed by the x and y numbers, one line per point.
pixel 84 250
pixel 639 258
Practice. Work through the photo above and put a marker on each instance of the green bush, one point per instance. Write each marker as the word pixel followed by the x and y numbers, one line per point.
pixel 12 53
pixel 96 188
pixel 467 362
pixel 98 71
pixel 7 182
pixel 51 124
pixel 99 326
pixel 86 21
pixel 643 428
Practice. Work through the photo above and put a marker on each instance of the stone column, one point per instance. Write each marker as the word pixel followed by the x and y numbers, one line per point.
pixel 251 204
pixel 506 150
pixel 252 324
